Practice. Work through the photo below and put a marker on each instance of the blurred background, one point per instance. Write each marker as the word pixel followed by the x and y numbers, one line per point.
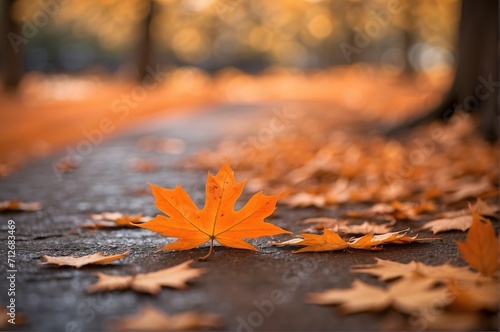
pixel 66 63
pixel 116 37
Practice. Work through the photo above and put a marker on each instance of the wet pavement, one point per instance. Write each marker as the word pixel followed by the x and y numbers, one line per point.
pixel 250 290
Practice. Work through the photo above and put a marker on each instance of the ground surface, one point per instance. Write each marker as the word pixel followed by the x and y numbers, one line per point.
pixel 238 281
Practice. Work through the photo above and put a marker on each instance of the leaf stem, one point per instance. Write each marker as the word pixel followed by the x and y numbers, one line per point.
pixel 209 252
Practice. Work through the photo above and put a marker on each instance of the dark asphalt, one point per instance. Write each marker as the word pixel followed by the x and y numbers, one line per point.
pixel 240 285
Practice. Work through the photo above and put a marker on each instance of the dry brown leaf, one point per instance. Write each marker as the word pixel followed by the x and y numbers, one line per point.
pixel 81 261
pixel 480 249
pixel 408 295
pixel 460 219
pixel 115 219
pixel 152 319
pixel 144 165
pixel 411 239
pixel 368 227
pixel 471 190
pixel 329 241
pixel 16 205
pixel 175 277
pixel 305 200
pixel 395 209
pixel 343 226
pixel 485 209
pixel 388 270
pixel 461 223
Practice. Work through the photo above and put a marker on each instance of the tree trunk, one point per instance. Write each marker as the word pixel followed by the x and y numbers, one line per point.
pixel 145 45
pixel 475 88
pixel 13 54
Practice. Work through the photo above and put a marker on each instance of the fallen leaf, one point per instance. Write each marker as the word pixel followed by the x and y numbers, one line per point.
pixel 461 223
pixel 367 227
pixel 144 165
pixel 305 200
pixel 81 261
pixel 330 241
pixel 5 170
pixel 343 226
pixel 115 219
pixel 396 209
pixel 460 219
pixel 16 205
pixel 485 209
pixel 175 277
pixel 152 319
pixel 217 220
pixel 480 249
pixel 470 190
pixel 411 239
pixel 389 270
pixel 407 295
pixel 65 165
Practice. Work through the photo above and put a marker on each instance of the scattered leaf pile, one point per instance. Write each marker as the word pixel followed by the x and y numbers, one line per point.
pixel 417 289
pixel 401 184
pixel 314 163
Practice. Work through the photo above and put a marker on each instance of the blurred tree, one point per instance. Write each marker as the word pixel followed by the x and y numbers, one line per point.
pixel 475 86
pixel 408 36
pixel 13 60
pixel 145 44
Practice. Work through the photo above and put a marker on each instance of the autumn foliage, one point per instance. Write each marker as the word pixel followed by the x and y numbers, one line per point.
pixel 217 221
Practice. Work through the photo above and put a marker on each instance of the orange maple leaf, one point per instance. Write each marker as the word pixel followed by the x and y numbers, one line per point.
pixel 480 249
pixel 217 220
